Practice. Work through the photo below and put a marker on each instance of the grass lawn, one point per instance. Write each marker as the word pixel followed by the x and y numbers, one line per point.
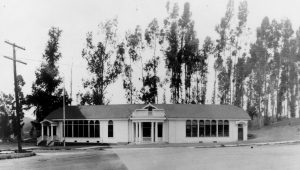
pixel 14 145
pixel 16 155
pixel 281 131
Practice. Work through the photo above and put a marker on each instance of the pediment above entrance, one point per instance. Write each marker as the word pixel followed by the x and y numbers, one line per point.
pixel 148 112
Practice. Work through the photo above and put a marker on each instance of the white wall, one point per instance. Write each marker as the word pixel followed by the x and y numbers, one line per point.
pixel 177 133
pixel 173 132
pixel 121 134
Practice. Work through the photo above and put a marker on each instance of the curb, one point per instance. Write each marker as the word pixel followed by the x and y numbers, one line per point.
pixel 251 144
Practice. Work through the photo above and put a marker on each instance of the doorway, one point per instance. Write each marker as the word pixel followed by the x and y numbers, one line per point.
pixel 240 132
pixel 146 132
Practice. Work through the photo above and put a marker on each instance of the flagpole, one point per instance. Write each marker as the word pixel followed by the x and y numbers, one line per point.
pixel 64 116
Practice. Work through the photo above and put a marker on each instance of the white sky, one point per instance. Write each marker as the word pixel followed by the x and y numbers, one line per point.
pixel 27 22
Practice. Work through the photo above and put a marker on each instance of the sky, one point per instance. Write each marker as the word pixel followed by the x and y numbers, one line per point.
pixel 27 23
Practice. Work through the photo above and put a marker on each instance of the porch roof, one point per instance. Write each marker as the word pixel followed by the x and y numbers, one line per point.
pixel 123 111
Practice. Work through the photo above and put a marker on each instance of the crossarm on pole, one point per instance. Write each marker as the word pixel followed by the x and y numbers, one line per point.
pixel 16 60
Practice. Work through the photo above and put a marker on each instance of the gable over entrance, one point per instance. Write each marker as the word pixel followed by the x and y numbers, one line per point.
pixel 148 112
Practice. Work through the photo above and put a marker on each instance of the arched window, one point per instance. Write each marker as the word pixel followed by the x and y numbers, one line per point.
pixel 201 128
pixel 213 128
pixel 220 128
pixel 226 128
pixel 92 129
pixel 86 128
pixel 207 128
pixel 188 128
pixel 194 128
pixel 97 129
pixel 110 128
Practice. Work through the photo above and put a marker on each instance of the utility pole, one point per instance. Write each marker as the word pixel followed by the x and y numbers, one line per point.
pixel 16 91
pixel 64 115
pixel 71 83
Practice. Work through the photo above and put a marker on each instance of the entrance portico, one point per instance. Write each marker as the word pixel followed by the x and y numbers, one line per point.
pixel 145 131
pixel 147 125
pixel 48 130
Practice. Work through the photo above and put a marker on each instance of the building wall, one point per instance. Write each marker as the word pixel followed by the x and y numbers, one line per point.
pixel 177 133
pixel 174 131
pixel 121 133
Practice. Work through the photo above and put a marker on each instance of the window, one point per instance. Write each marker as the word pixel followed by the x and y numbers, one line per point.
pixel 220 128
pixel 194 128
pixel 54 130
pixel 80 128
pixel 86 128
pixel 110 129
pixel 201 128
pixel 92 129
pixel 159 130
pixel 49 130
pixel 188 128
pixel 213 128
pixel 75 128
pixel 226 128
pixel 207 128
pixel 68 128
pixel 97 129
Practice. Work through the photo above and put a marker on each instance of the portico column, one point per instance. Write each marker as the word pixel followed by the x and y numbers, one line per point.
pixel 42 131
pixel 156 131
pixel 136 132
pixel 152 133
pixel 132 131
pixel 48 131
pixel 140 131
pixel 51 132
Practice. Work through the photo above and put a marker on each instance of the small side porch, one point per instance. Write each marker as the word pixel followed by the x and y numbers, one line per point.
pixel 48 133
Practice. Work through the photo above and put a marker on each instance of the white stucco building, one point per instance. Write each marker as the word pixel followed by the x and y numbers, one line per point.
pixel 138 123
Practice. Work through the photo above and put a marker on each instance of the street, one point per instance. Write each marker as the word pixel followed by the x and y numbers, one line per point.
pixel 262 157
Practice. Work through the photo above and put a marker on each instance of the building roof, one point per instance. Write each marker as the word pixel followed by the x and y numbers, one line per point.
pixel 123 111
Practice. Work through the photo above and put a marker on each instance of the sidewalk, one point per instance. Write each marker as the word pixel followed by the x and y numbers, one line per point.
pixel 158 145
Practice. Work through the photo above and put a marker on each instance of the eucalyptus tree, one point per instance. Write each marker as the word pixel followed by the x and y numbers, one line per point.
pixel 240 75
pixel 259 58
pixel 134 41
pixel 190 53
pixel 237 53
pixel 181 52
pixel 274 64
pixel 173 57
pixel 201 70
pixel 149 89
pixel 154 37
pixel 287 76
pixel 102 69
pixel 188 47
pixel 223 29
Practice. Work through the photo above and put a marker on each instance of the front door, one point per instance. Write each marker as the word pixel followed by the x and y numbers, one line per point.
pixel 159 131
pixel 240 132
pixel 146 133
